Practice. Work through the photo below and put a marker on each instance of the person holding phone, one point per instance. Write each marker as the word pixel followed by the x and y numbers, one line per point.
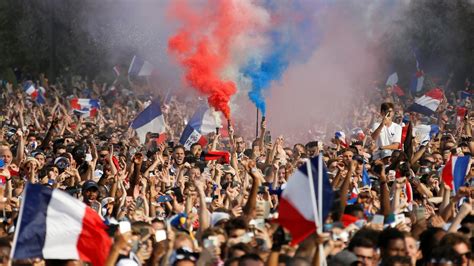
pixel 387 134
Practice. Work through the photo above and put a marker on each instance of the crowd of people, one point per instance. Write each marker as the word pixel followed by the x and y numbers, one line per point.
pixel 391 205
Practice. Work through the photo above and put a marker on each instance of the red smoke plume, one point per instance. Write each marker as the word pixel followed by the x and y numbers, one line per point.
pixel 203 46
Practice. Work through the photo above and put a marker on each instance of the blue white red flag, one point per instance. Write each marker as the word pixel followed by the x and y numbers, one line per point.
pixel 140 67
pixel 296 211
pixel 204 121
pixel 36 94
pixel 465 94
pixel 392 79
pixel 54 225
pixel 341 136
pixel 85 107
pixel 425 132
pixel 455 171
pixel 150 120
pixel 428 103
pixel 417 81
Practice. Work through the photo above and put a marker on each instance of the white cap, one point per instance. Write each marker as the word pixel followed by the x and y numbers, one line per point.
pixel 216 217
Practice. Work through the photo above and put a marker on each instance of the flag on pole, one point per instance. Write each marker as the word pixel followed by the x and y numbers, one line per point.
pixel 140 67
pixel 54 225
pixel 416 84
pixel 341 136
pixel 358 134
pixel 417 81
pixel 204 121
pixel 455 171
pixel 465 95
pixel 116 70
pixel 428 103
pixel 296 210
pixel 36 94
pixel 85 107
pixel 149 120
pixel 392 79
pixel 425 133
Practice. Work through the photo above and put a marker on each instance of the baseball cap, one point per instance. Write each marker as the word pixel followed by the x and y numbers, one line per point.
pixel 89 184
pixel 344 257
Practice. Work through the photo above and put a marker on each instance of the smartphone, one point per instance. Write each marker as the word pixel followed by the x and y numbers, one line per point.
pixel 2 164
pixel 139 202
pixel 261 189
pixel 247 237
pixel 125 227
pixel 171 144
pixel 391 175
pixel 268 137
pixel 160 235
pixel 258 223
pixel 265 206
pixel 211 241
pixel 88 157
pixel 399 218
pixel 378 219
pixel 164 198
pixel 95 206
pixel 420 213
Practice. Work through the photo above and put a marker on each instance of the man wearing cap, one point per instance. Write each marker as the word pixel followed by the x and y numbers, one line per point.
pixel 90 192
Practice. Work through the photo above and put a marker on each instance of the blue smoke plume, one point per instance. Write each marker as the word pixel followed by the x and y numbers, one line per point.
pixel 263 73
pixel 286 43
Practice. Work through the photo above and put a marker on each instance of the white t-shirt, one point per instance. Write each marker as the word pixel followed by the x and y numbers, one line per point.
pixel 388 135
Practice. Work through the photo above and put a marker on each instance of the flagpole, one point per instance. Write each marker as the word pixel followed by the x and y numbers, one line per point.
pixel 322 258
pixel 317 220
pixel 256 125
pixel 17 228
pixel 320 191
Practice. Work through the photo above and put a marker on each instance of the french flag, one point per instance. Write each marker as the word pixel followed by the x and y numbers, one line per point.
pixel 425 132
pixel 149 120
pixel 204 121
pixel 358 134
pixel 341 136
pixel 392 79
pixel 417 81
pixel 85 107
pixel 455 171
pixel 140 67
pixel 428 103
pixel 37 95
pixel 54 225
pixel 465 94
pixel 296 210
